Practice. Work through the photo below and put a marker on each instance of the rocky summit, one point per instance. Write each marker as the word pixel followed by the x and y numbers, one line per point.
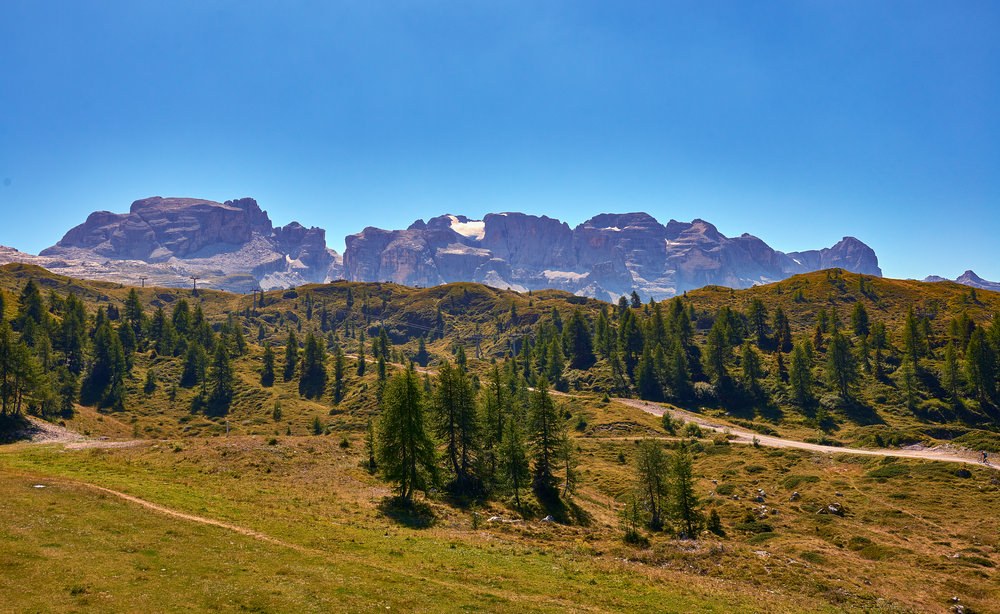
pixel 231 245
pixel 604 257
pixel 969 278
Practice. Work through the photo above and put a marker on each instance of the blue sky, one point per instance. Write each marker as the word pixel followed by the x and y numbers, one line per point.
pixel 799 122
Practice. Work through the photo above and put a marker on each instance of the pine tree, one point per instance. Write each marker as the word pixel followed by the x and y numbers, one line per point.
pixel 717 350
pixel 220 382
pixel 338 375
pixel 648 384
pixel 757 315
pixel 514 467
pixel 105 383
pixel 579 342
pixel 457 426
pixel 753 372
pixel 544 430
pixel 841 370
pixel 267 369
pixel 195 363
pixel 134 315
pixel 782 331
pixel 361 355
pixel 980 367
pixel 652 471
pixel 291 355
pixel 685 500
pixel 405 452
pixel 800 376
pixel 860 321
pixel 951 375
pixel 496 408
pixel 312 380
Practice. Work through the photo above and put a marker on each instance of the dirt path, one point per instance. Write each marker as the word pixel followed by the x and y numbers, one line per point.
pixel 199 519
pixel 747 437
pixel 46 432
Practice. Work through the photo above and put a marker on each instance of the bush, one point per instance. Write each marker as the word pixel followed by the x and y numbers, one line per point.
pixel 725 489
pixel 692 430
pixel 670 424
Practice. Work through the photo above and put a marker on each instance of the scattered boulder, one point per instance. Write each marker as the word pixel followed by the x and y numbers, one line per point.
pixel 834 508
pixel 795 496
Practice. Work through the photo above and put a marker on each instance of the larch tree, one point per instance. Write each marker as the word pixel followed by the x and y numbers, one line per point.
pixel 405 451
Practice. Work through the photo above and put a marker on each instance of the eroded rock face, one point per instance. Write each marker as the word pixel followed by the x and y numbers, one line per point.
pixel 230 245
pixel 605 257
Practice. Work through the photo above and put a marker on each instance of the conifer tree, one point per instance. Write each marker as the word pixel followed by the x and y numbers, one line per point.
pixel 841 370
pixel 514 467
pixel 579 342
pixel 544 431
pixel 220 382
pixel 457 426
pixel 291 355
pixel 800 375
pixel 405 451
pixel 267 369
pixel 653 472
pixel 685 501
pixel 312 380
pixel 338 375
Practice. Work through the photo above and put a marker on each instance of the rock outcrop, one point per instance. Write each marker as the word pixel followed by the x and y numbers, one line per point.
pixel 969 278
pixel 605 257
pixel 231 245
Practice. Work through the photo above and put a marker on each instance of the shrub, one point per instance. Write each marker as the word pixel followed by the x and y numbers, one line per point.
pixel 692 430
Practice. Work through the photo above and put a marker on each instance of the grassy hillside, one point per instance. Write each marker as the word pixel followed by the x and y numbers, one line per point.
pixel 308 528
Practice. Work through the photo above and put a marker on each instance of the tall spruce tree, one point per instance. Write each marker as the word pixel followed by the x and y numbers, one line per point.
pixel 405 451
pixel 291 356
pixel 457 425
pixel 312 380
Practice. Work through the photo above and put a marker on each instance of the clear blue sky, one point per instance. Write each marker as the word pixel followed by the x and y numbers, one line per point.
pixel 799 122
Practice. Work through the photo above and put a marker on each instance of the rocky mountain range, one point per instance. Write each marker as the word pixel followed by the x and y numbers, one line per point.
pixel 969 278
pixel 231 245
pixel 234 246
pixel 604 257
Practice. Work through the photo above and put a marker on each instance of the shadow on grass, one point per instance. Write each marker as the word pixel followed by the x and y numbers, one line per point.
pixel 412 514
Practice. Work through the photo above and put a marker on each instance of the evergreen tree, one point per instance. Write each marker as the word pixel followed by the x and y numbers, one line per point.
pixel 753 372
pixel 291 355
pixel 685 500
pixel 646 380
pixel 105 383
pixel 267 369
pixel 361 355
pixel 496 408
pixel 980 367
pixel 653 473
pixel 134 315
pixel 312 380
pixel 544 431
pixel 717 351
pixel 951 375
pixel 636 301
pixel 220 382
pixel 579 342
pixel 457 426
pixel 800 376
pixel 514 467
pixel 338 375
pixel 860 321
pixel 782 330
pixel 757 315
pixel 195 363
pixel 841 370
pixel 405 451
pixel 679 381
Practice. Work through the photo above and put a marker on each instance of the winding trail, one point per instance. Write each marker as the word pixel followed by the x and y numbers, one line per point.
pixel 743 436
